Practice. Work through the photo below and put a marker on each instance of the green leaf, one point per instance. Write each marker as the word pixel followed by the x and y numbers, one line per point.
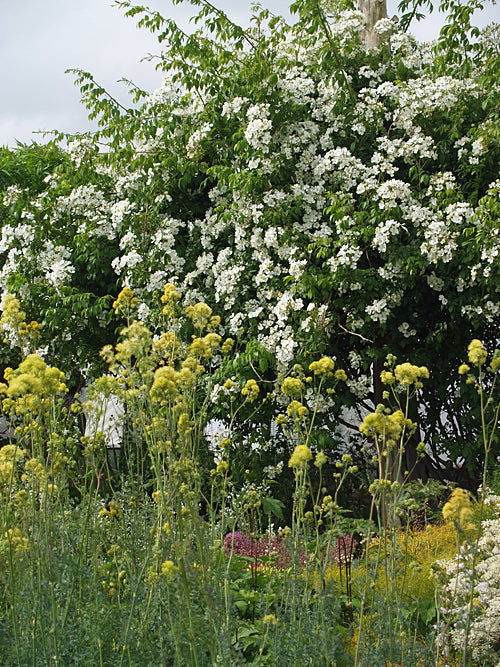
pixel 273 506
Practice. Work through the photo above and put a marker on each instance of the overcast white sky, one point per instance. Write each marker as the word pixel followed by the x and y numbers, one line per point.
pixel 40 39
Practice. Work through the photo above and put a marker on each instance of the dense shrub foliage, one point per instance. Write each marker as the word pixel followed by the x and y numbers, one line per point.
pixel 324 198
pixel 158 554
pixel 273 265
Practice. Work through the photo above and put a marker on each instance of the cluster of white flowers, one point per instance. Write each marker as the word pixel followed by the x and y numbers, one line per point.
pixel 383 234
pixel 165 94
pixel 384 26
pixel 194 141
pixel 317 402
pixel 258 130
pixel 128 262
pixel 441 182
pixel 380 309
pixel 435 282
pixel 440 242
pixel 285 350
pixel 478 148
pixel 489 309
pixel 297 86
pixel 348 25
pixel 360 386
pixel 11 194
pixel 456 577
pixel 125 184
pixel 234 106
pixel 215 432
pixel 88 203
pixel 348 170
pixel 250 248
pixel 54 261
pixel 348 254
pixel 79 147
pixel 405 329
pixel 119 210
pixel 23 233
pixel 423 95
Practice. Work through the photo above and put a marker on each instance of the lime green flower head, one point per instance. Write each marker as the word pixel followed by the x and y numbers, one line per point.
pixel 33 376
pixel 495 362
pixel 292 387
pixel 297 410
pixel 324 367
pixel 387 377
pixel 227 346
pixel 192 365
pixel 17 543
pixel 270 619
pixel 408 374
pixel 250 390
pixel 11 453
pixel 11 312
pixel 137 341
pixel 165 384
pixel 212 340
pixel 167 345
pixel 169 298
pixel 281 420
pixel 199 314
pixel 199 348
pixel 126 302
pixel 10 456
pixel 390 426
pixel 300 457
pixel 320 459
pixel 184 425
pixel 477 352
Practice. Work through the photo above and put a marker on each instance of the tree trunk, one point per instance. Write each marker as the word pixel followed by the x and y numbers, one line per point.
pixel 374 10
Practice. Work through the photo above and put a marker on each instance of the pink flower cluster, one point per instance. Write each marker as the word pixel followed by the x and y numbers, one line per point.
pixel 257 548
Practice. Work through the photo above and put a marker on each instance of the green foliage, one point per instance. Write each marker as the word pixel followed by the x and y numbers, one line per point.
pixel 327 198
pixel 171 556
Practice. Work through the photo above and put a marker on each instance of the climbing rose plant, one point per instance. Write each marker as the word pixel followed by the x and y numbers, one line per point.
pixel 322 197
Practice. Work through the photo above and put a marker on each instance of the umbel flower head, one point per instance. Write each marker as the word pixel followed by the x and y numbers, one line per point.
pixel 13 324
pixel 11 312
pixel 169 570
pixel 297 410
pixel 406 374
pixel 201 316
pixel 33 376
pixel 477 352
pixel 126 302
pixel 324 367
pixel 388 426
pixel 292 387
pixel 10 455
pixel 169 299
pixel 250 390
pixel 136 342
pixel 300 457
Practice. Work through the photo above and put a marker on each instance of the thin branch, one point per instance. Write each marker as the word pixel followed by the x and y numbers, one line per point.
pixel 352 333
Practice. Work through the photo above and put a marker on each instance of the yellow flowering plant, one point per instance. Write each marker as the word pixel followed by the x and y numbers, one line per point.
pixel 125 304
pixel 16 330
pixel 315 187
pixel 458 510
pixel 484 378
